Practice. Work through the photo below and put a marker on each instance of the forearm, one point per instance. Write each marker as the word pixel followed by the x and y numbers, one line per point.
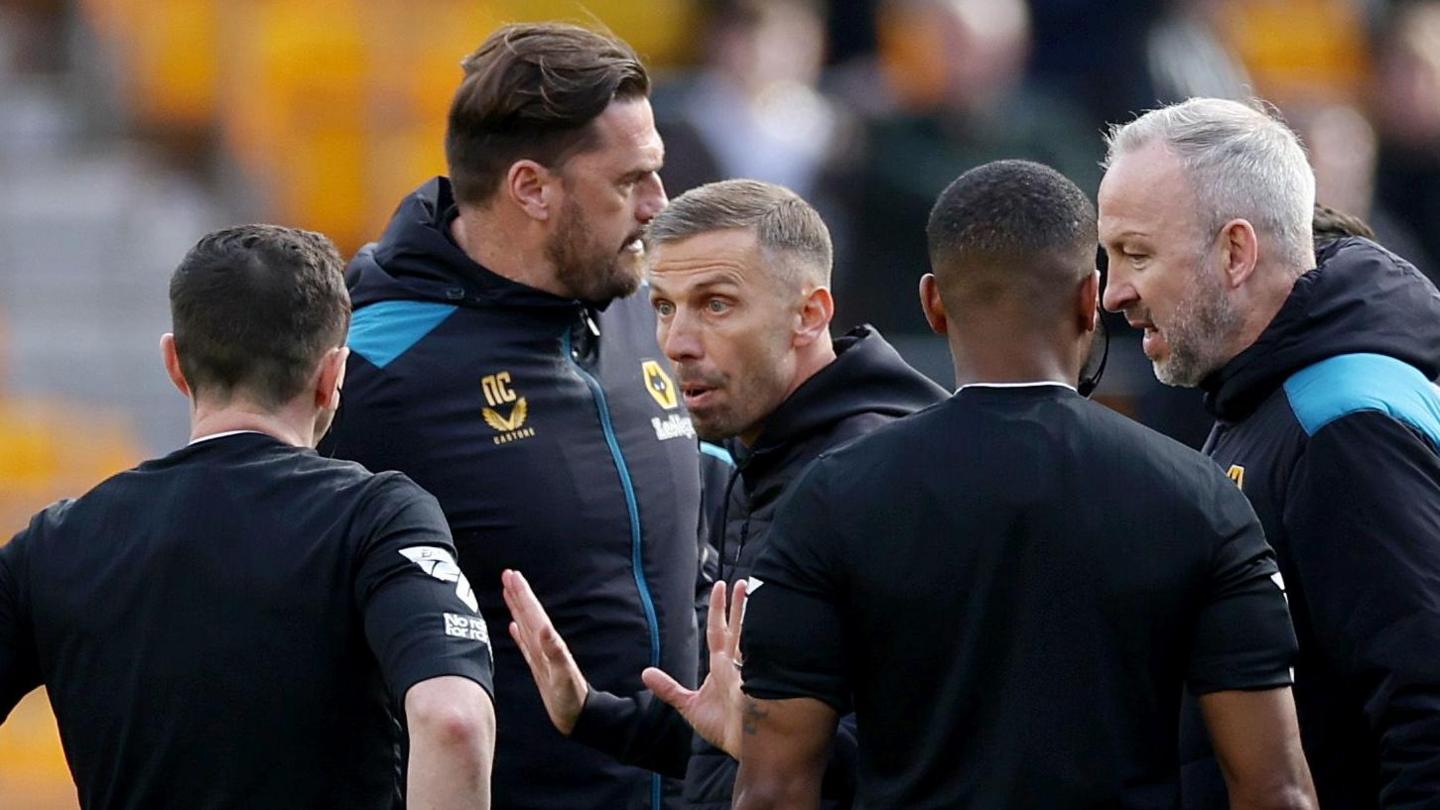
pixel 1289 796
pixel 638 730
pixel 760 788
pixel 445 775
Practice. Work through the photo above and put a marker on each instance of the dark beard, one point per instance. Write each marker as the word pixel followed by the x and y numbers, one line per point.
pixel 595 278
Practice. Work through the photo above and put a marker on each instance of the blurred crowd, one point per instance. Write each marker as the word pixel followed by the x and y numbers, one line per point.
pixel 321 113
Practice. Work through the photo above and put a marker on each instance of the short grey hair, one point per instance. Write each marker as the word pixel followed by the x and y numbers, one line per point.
pixel 1242 161
pixel 785 226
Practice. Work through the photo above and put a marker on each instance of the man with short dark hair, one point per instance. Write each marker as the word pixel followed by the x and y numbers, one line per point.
pixel 1011 626
pixel 502 362
pixel 240 623
pixel 1317 366
pixel 739 276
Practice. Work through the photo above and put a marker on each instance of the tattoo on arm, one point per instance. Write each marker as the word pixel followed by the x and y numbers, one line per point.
pixel 753 715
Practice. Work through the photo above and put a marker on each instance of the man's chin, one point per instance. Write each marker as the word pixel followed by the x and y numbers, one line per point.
pixel 617 285
pixel 709 431
pixel 1169 374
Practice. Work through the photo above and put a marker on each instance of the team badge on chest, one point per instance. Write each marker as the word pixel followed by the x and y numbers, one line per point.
pixel 508 427
pixel 658 383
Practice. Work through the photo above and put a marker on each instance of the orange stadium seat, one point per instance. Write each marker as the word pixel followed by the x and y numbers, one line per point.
pixel 1300 50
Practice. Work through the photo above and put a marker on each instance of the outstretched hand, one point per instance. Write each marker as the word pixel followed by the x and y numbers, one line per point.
pixel 561 683
pixel 713 710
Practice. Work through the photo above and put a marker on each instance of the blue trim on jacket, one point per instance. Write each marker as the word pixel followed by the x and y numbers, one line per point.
pixel 385 330
pixel 716 451
pixel 1349 383
pixel 647 601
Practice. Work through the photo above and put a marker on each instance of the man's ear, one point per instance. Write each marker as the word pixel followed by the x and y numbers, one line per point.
pixel 1239 252
pixel 532 188
pixel 815 313
pixel 932 304
pixel 1087 303
pixel 171 358
pixel 331 378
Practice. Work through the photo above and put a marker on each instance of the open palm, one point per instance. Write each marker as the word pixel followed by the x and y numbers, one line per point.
pixel 713 710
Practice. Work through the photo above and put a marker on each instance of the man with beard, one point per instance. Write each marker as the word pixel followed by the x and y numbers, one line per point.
pixel 1011 621
pixel 502 362
pixel 739 275
pixel 1316 368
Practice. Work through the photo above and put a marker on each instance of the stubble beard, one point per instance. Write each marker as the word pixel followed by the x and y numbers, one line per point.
pixel 592 274
pixel 1202 325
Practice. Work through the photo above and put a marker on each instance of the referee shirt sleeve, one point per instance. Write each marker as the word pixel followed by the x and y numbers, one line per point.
pixel 420 616
pixel 1243 635
pixel 19 664
pixel 793 639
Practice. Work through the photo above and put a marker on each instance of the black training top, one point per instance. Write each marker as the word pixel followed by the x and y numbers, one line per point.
pixel 233 625
pixel 1010 589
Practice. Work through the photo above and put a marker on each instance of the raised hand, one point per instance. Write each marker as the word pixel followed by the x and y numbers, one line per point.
pixel 714 710
pixel 561 683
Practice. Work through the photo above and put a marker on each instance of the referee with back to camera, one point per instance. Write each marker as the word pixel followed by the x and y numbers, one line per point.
pixel 1012 588
pixel 238 624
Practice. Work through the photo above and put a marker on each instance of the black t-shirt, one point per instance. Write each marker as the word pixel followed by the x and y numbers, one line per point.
pixel 1010 590
pixel 236 625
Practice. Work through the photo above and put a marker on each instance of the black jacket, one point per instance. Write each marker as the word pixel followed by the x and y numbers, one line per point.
pixel 868 385
pixel 552 435
pixel 1329 423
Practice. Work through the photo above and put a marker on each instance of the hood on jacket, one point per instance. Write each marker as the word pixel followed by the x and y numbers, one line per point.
pixel 416 259
pixel 867 377
pixel 1359 298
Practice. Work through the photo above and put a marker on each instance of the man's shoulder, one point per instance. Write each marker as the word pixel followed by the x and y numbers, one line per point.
pixel 385 330
pixel 351 483
pixel 1338 387
pixel 873 447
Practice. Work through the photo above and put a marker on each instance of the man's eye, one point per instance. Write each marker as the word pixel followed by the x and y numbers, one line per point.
pixel 664 308
pixel 718 305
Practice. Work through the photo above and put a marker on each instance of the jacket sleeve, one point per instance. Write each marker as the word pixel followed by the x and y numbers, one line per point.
pixel 1363 519
pixel 639 730
pixel 19 661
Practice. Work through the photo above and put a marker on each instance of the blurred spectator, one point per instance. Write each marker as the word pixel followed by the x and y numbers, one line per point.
pixel 1186 56
pixel 1094 52
pixel 953 78
pixel 1406 110
pixel 1343 148
pixel 753 109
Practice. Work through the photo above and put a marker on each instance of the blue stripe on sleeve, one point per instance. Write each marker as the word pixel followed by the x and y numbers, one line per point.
pixel 1349 383
pixel 383 331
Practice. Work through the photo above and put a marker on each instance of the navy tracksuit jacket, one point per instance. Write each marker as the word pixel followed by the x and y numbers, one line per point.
pixel 1331 426
pixel 553 435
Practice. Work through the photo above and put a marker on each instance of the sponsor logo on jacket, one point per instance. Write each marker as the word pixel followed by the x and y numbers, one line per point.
pixel 508 427
pixel 673 426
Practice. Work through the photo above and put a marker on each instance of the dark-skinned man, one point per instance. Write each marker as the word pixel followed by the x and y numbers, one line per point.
pixel 1011 589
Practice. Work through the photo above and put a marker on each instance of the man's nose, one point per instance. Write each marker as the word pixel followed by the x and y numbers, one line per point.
pixel 1119 292
pixel 653 201
pixel 680 339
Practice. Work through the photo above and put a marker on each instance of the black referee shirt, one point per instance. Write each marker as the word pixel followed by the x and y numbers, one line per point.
pixel 233 625
pixel 1010 589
